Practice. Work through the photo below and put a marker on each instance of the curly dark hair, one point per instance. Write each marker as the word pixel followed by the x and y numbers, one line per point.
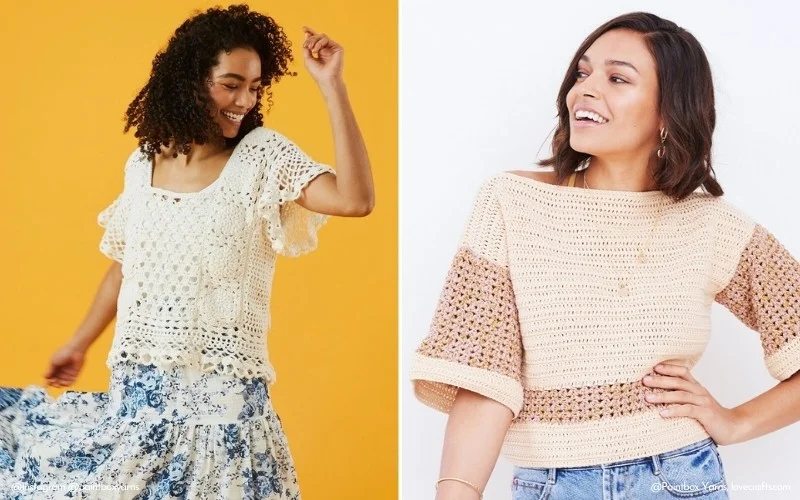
pixel 686 102
pixel 174 104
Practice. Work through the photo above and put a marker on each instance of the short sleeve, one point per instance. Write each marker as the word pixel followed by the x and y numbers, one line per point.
pixel 290 228
pixel 474 341
pixel 764 293
pixel 114 217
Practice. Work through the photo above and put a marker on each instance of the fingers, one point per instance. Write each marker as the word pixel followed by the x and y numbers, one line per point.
pixel 675 397
pixel 309 31
pixel 311 41
pixel 309 38
pixel 60 382
pixel 317 42
pixel 691 411
pixel 51 374
pixel 675 371
pixel 675 377
pixel 666 382
pixel 61 378
pixel 320 44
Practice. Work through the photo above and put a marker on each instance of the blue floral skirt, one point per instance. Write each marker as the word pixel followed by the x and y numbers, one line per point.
pixel 157 433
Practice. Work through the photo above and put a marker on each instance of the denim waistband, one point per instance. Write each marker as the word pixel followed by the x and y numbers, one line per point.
pixel 644 460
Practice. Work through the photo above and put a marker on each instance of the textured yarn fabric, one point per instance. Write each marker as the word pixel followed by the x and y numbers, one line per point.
pixel 550 308
pixel 198 266
pixel 176 433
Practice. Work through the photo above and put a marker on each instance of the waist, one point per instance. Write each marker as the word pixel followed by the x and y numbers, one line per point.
pixel 649 459
pixel 231 352
pixel 606 440
pixel 185 393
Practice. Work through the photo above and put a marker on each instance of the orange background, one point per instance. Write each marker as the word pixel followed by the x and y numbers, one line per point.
pixel 70 71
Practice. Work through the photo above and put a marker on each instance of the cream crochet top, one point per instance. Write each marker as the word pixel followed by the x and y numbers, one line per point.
pixel 198 266
pixel 548 309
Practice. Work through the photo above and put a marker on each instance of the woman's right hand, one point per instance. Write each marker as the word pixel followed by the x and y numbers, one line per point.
pixel 65 365
pixel 66 362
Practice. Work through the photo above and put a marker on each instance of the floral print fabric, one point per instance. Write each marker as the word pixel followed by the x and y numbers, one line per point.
pixel 157 433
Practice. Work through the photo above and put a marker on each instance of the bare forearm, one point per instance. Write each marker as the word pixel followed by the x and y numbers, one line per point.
pixel 102 310
pixel 474 436
pixel 770 411
pixel 353 170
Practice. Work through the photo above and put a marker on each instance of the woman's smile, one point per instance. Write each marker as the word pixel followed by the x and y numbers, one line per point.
pixel 234 118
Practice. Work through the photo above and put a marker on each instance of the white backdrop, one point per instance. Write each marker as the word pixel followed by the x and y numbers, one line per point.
pixel 478 86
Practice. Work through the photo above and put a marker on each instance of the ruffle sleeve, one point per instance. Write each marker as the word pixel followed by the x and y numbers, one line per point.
pixel 764 293
pixel 290 229
pixel 112 219
pixel 474 341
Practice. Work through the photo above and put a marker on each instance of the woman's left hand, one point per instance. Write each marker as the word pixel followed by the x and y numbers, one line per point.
pixel 327 66
pixel 687 398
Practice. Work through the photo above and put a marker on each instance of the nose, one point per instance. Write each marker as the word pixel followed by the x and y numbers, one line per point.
pixel 586 90
pixel 244 100
pixel 586 87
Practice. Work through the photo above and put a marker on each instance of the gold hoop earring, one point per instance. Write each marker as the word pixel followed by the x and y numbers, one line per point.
pixel 663 149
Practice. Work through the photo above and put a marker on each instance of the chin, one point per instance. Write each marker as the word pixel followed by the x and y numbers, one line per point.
pixel 227 130
pixel 582 147
pixel 229 133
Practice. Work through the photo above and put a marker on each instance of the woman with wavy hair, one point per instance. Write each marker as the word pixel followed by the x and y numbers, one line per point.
pixel 210 198
pixel 580 299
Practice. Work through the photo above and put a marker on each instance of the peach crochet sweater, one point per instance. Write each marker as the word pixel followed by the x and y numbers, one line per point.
pixel 550 308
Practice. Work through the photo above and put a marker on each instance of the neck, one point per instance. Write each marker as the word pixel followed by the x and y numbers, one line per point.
pixel 200 152
pixel 619 175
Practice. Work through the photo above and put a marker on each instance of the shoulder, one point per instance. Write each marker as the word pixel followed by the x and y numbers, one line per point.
pixel 495 187
pixel 257 148
pixel 258 140
pixel 516 182
pixel 259 133
pixel 546 176
pixel 136 157
pixel 270 148
pixel 265 136
pixel 269 145
pixel 135 166
pixel 728 216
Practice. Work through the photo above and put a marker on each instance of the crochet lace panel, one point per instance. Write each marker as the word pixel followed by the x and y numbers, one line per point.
pixel 198 267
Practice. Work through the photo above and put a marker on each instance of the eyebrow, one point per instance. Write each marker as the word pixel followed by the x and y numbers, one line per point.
pixel 612 62
pixel 238 77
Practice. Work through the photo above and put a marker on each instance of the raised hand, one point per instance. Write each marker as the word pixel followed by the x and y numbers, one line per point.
pixel 327 65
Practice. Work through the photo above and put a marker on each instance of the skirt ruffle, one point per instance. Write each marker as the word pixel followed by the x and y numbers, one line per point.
pixel 157 433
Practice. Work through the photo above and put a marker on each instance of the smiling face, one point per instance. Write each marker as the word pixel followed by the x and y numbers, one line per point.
pixel 234 86
pixel 618 85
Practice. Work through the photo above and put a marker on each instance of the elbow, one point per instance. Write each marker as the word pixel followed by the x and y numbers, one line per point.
pixel 361 208
pixel 368 207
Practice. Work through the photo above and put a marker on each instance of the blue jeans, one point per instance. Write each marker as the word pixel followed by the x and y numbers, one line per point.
pixel 694 471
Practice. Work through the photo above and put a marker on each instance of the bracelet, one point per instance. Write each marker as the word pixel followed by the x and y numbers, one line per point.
pixel 478 491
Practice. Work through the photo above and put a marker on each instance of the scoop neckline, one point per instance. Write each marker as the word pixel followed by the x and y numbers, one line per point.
pixel 178 194
pixel 603 193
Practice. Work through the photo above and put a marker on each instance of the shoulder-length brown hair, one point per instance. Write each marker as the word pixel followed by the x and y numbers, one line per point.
pixel 686 103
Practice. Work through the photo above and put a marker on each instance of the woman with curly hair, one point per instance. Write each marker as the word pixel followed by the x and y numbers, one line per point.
pixel 579 299
pixel 210 198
